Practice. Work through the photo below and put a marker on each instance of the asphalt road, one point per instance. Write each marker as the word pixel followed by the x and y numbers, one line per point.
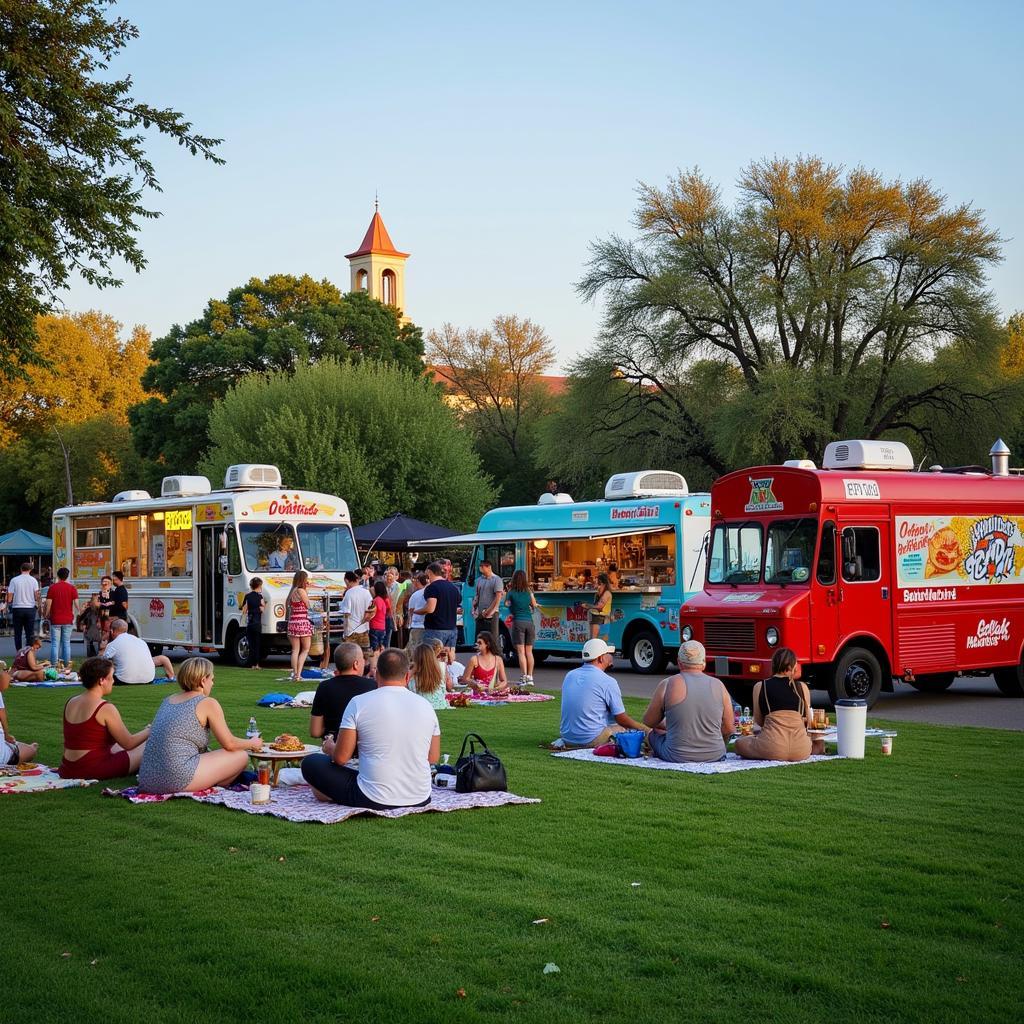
pixel 974 701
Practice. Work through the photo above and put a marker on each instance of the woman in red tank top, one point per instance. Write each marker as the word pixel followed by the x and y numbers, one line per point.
pixel 96 743
pixel 485 671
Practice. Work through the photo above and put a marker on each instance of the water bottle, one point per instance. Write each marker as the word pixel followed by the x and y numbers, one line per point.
pixel 446 756
pixel 252 731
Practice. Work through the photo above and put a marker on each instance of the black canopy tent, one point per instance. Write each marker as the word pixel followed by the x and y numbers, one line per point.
pixel 394 532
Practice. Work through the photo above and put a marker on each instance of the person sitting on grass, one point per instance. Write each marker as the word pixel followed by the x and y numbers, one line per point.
pixel 25 668
pixel 133 664
pixel 592 708
pixel 12 751
pixel 332 695
pixel 782 708
pixel 429 679
pixel 398 737
pixel 97 745
pixel 453 670
pixel 690 714
pixel 485 670
pixel 177 759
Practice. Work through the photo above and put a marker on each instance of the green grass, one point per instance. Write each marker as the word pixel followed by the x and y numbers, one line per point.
pixel 885 890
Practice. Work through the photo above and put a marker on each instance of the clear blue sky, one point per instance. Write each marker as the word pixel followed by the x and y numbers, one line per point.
pixel 504 138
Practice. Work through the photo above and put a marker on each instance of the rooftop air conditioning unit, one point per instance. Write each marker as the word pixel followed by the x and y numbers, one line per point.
pixel 648 483
pixel 131 496
pixel 184 486
pixel 547 498
pixel 800 464
pixel 252 475
pixel 873 455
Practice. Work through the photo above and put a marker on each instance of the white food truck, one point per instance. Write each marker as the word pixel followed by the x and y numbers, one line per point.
pixel 188 556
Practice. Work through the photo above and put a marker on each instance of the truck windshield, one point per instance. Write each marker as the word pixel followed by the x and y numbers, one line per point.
pixel 269 547
pixel 735 553
pixel 328 548
pixel 789 551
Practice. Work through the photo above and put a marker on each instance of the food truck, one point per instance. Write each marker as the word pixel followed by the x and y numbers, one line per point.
pixel 188 556
pixel 868 570
pixel 647 534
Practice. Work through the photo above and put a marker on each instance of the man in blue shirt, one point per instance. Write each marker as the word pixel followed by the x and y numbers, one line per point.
pixel 592 708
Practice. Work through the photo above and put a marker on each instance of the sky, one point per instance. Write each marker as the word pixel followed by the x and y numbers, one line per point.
pixel 503 139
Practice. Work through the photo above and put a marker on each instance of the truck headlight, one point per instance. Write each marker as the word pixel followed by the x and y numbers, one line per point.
pixel 772 636
pixel 686 633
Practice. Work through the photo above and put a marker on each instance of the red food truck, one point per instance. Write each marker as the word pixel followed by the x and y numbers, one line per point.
pixel 868 570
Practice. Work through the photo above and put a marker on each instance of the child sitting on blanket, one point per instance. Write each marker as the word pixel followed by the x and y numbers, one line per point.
pixel 450 668
pixel 11 750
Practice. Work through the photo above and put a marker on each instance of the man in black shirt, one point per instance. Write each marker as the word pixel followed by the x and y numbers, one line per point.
pixel 119 595
pixel 332 695
pixel 440 618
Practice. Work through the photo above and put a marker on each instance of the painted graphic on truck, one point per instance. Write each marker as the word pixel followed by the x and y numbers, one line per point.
pixel 963 551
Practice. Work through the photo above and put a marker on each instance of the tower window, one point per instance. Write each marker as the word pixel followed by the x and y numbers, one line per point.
pixel 362 280
pixel 389 292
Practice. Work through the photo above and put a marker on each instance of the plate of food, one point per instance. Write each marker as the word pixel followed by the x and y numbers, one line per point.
pixel 286 743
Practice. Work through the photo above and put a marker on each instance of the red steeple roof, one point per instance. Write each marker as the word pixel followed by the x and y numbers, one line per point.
pixel 376 240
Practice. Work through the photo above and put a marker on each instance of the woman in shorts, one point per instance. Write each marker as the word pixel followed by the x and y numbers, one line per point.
pixel 381 606
pixel 521 602
pixel 97 745
pixel 300 629
pixel 601 609
pixel 177 759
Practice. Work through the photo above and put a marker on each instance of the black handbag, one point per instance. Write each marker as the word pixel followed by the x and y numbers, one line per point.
pixel 478 772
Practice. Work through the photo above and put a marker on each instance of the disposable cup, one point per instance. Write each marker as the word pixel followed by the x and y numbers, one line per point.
pixel 259 793
pixel 887 745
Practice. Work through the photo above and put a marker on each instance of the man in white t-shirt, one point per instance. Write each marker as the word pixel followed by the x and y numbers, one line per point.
pixel 414 608
pixel 398 737
pixel 23 600
pixel 133 664
pixel 354 606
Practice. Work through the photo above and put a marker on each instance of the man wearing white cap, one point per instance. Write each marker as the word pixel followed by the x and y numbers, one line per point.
pixel 690 714
pixel 592 708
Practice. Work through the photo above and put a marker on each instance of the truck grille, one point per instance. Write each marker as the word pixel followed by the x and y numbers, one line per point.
pixel 729 635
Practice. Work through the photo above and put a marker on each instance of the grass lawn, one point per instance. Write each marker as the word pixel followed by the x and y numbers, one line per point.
pixel 885 890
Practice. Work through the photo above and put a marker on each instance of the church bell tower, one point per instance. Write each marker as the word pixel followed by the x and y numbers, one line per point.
pixel 378 268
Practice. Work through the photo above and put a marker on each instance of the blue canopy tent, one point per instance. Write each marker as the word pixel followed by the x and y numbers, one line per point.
pixel 22 543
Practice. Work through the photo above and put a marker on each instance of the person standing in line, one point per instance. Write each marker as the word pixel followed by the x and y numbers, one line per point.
pixel 107 595
pixel 356 613
pixel 91 626
pixel 401 608
pixel 23 594
pixel 522 604
pixel 601 609
pixel 61 608
pixel 486 599
pixel 254 606
pixel 381 607
pixel 391 622
pixel 300 629
pixel 119 595
pixel 440 619
pixel 414 603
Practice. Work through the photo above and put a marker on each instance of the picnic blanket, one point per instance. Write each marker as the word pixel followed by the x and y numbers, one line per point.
pixel 135 795
pixel 51 683
pixel 515 698
pixel 297 803
pixel 286 700
pixel 732 762
pixel 37 780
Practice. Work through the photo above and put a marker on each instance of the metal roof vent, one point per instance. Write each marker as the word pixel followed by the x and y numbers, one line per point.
pixel 253 474
pixel 648 483
pixel 872 455
pixel 1000 455
pixel 131 496
pixel 184 486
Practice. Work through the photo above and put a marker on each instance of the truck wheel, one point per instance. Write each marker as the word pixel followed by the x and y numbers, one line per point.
pixel 646 652
pixel 1009 681
pixel 539 657
pixel 934 684
pixel 858 676
pixel 237 649
pixel 508 652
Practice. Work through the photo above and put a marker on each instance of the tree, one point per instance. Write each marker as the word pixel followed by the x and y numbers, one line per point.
pixel 73 168
pixel 280 323
pixel 87 371
pixel 493 377
pixel 379 436
pixel 824 300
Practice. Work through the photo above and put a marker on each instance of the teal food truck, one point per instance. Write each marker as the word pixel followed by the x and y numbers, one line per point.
pixel 648 536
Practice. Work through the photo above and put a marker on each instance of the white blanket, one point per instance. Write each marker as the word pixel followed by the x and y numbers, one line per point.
pixel 732 762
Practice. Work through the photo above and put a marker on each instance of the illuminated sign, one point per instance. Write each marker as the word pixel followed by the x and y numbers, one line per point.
pixel 179 519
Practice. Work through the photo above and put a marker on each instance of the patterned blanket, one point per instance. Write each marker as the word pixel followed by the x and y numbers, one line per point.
pixel 732 762
pixel 37 780
pixel 496 702
pixel 297 803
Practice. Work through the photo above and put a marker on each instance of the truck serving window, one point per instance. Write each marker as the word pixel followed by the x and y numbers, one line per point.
pixel 861 559
pixel 789 552
pixel 735 553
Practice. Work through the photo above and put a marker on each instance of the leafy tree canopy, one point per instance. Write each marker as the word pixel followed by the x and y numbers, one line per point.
pixel 277 324
pixel 73 168
pixel 824 297
pixel 379 436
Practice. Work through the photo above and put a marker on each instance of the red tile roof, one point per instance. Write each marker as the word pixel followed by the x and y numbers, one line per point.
pixel 376 240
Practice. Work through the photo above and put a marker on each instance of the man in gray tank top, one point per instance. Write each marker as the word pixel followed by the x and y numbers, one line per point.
pixel 690 714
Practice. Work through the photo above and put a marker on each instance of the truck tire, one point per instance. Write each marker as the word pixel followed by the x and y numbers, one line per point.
pixel 508 652
pixel 236 649
pixel 1010 681
pixel 857 676
pixel 646 652
pixel 539 657
pixel 934 684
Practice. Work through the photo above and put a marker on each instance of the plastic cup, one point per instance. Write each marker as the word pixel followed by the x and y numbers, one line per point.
pixel 886 746
pixel 263 774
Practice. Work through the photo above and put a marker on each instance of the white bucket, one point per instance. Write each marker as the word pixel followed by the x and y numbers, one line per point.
pixel 851 721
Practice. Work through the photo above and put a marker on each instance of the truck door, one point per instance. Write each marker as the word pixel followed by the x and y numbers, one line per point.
pixel 213 565
pixel 825 594
pixel 865 584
